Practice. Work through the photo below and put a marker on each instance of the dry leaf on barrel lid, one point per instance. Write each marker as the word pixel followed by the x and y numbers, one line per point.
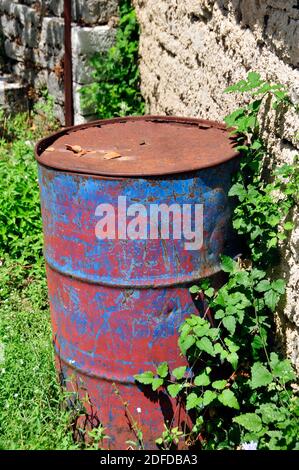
pixel 111 155
pixel 74 148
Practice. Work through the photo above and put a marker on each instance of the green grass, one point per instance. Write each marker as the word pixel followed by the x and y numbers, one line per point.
pixel 32 412
pixel 32 405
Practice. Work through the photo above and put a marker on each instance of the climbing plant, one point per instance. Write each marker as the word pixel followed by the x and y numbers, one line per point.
pixel 237 388
pixel 115 90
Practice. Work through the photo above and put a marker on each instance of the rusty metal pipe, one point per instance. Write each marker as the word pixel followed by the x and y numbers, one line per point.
pixel 68 73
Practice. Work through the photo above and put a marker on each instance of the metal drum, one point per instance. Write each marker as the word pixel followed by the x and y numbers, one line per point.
pixel 117 302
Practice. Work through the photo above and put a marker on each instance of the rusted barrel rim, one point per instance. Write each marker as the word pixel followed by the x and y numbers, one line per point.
pixel 201 123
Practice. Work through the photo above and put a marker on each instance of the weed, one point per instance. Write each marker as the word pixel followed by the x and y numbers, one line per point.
pixel 115 90
pixel 236 385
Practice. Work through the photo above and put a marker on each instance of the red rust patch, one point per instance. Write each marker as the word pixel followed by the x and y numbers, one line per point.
pixel 169 145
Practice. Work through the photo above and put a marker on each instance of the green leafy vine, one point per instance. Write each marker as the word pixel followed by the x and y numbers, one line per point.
pixel 115 90
pixel 237 388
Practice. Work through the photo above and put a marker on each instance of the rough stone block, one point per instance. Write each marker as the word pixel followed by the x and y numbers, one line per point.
pixel 25 35
pixel 94 11
pixel 59 112
pixel 17 51
pixel 13 97
pixel 85 43
pixel 20 22
pixel 51 48
pixel 88 40
pixel 9 26
pixel 24 14
pixel 53 7
pixel 55 87
pixel 52 32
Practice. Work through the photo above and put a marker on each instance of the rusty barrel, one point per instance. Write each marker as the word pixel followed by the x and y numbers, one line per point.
pixel 118 282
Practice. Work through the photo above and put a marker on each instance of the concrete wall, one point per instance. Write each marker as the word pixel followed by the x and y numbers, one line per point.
pixel 32 43
pixel 192 50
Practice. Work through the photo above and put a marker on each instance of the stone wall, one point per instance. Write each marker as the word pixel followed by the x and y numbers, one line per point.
pixel 32 44
pixel 192 50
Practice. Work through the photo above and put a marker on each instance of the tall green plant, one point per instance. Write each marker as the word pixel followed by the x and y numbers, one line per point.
pixel 236 385
pixel 20 219
pixel 115 90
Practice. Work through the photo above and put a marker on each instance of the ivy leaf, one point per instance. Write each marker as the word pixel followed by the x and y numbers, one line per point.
pixel 257 274
pixel 233 359
pixel 219 314
pixel 260 376
pixel 204 344
pixel 198 425
pixel 281 236
pixel 156 384
pixel 202 330
pixel 205 284
pixel 219 384
pixel 257 144
pixel 230 324
pixel 227 264
pixel 227 398
pixel 221 298
pixel 242 278
pixel 213 333
pixel 249 421
pixel 232 346
pixel 145 378
pixel 271 299
pixel 233 118
pixel 235 87
pixel 273 220
pixel 186 343
pixel 257 343
pixel 271 413
pixel 220 350
pixel 174 389
pixel 208 397
pixel 209 292
pixel 194 289
pixel 279 286
pixel 179 372
pixel 254 78
pixel 272 242
pixel 282 368
pixel 263 286
pixel 202 379
pixel 288 226
pixel 192 401
pixel 162 369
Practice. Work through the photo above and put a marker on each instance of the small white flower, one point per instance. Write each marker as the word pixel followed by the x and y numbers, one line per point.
pixel 138 410
pixel 16 395
pixel 249 445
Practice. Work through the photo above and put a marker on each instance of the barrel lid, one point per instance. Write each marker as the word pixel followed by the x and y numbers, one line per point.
pixel 138 146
